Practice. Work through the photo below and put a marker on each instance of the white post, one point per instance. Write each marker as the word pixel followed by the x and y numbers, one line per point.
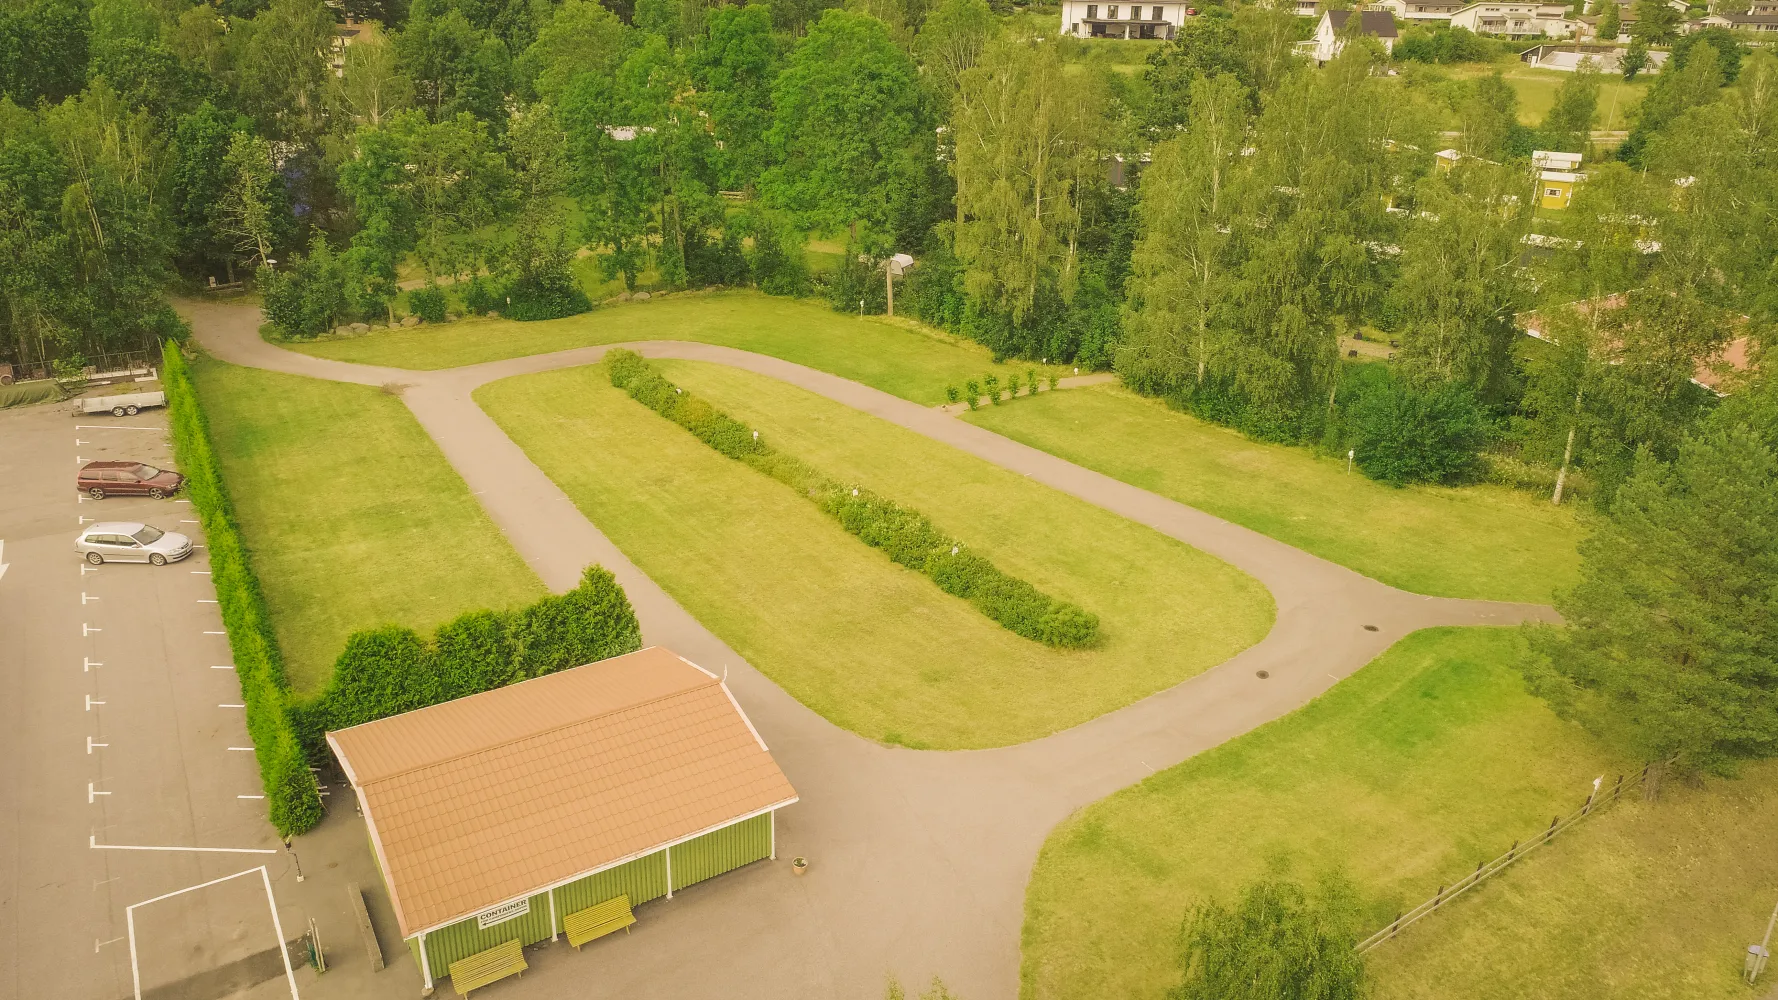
pixel 552 916
pixel 668 851
pixel 425 965
pixel 774 834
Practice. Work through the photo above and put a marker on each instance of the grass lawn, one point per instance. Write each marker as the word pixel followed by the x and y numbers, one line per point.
pixel 1537 91
pixel 1430 759
pixel 1476 542
pixel 871 646
pixel 1652 901
pixel 897 356
pixel 352 516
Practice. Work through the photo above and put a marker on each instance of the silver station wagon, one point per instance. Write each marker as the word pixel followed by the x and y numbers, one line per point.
pixel 131 541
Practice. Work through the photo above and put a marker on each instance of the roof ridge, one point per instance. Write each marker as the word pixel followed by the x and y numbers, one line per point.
pixel 707 681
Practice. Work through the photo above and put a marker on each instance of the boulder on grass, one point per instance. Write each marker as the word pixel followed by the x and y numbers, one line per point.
pixel 360 328
pixel 621 297
pixel 410 321
pixel 640 297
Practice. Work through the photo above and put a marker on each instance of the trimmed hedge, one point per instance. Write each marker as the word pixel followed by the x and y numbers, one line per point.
pixel 389 670
pixel 294 801
pixel 905 536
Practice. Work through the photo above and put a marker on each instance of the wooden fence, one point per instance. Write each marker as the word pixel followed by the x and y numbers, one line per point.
pixel 1600 797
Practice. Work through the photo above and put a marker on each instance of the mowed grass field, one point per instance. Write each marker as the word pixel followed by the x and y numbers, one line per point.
pixel 899 357
pixel 1430 759
pixel 872 646
pixel 1484 542
pixel 1537 91
pixel 351 515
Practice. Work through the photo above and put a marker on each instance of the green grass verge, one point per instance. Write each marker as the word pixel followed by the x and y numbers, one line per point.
pixel 293 801
pixel 351 514
pixel 1429 759
pixel 871 646
pixel 1476 542
pixel 896 356
pixel 1655 901
pixel 1537 92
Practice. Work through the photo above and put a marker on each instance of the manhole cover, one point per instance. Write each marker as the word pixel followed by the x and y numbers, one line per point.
pixel 1262 674
pixel 1370 628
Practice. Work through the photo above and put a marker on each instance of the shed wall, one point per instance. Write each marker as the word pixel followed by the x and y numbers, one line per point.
pixel 722 851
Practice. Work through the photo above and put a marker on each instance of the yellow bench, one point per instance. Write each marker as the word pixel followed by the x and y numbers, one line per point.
pixel 485 967
pixel 598 920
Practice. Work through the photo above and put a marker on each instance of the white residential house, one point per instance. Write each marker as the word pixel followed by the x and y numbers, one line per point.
pixel 1762 23
pixel 1515 19
pixel 1329 32
pixel 1123 20
pixel 1430 13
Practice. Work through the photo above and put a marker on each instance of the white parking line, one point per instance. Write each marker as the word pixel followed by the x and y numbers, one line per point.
pixel 182 501
pixel 200 572
pixel 90 793
pixel 202 600
pixel 249 796
pixel 86 630
pixel 86 665
pixel 93 842
pixel 90 703
pixel 112 427
pixel 218 706
pixel 97 944
pixel 85 598
pixel 248 749
pixel 187 522
pixel 215 633
pixel 221 666
pixel 85 569
pixel 271 901
pixel 90 744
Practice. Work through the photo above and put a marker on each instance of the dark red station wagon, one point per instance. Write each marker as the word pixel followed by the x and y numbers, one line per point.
pixel 107 479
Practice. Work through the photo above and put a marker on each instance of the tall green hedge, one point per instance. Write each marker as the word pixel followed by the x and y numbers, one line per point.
pixel 389 670
pixel 294 800
pixel 905 536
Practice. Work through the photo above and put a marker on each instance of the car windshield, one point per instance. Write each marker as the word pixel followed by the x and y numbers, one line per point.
pixel 148 534
pixel 147 472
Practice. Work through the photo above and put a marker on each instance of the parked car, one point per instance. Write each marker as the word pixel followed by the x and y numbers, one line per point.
pixel 105 479
pixel 119 406
pixel 131 541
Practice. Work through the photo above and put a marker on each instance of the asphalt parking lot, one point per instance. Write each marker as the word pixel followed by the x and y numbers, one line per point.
pixel 137 857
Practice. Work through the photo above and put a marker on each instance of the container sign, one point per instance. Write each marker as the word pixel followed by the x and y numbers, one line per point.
pixel 501 914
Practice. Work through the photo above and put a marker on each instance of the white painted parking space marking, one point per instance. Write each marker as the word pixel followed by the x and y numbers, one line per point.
pixel 182 501
pixel 215 633
pixel 271 901
pixel 90 792
pixel 221 666
pixel 220 706
pixel 187 522
pixel 3 562
pixel 78 442
pixel 87 664
pixel 112 427
pixel 249 796
pixel 97 944
pixel 85 597
pixel 200 572
pixel 86 630
pixel 90 744
pixel 248 749
pixel 203 600
pixel 93 842
pixel 83 519
pixel 90 703
pixel 85 569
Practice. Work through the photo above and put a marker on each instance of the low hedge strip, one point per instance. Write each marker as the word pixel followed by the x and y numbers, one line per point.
pixel 293 800
pixel 905 536
pixel 389 670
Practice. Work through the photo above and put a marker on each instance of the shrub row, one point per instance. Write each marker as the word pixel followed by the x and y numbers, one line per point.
pixel 389 670
pixel 906 536
pixel 293 799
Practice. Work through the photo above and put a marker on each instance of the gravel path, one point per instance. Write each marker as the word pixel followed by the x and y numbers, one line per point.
pixel 918 859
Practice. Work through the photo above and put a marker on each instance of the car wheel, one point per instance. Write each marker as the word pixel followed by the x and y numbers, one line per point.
pixel 156 492
pixel 117 411
pixel 94 558
pixel 157 558
pixel 96 493
pixel 131 410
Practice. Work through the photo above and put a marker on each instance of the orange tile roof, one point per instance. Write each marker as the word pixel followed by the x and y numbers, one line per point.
pixel 502 794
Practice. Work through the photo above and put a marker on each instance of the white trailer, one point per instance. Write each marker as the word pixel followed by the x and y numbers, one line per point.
pixel 119 406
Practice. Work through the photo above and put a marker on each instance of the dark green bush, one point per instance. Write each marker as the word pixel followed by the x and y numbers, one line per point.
pixel 427 303
pixel 1404 433
pixel 389 670
pixel 293 800
pixel 480 296
pixel 904 535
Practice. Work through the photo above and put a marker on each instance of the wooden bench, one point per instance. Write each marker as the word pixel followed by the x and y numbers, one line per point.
pixel 598 920
pixel 489 966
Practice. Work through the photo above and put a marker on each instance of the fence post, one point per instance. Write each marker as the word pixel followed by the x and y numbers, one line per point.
pixel 1617 789
pixel 1394 925
pixel 1477 877
pixel 1551 832
pixel 1438 897
pixel 1512 851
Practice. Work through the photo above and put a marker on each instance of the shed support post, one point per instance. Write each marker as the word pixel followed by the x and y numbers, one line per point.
pixel 668 852
pixel 552 916
pixel 425 965
pixel 774 834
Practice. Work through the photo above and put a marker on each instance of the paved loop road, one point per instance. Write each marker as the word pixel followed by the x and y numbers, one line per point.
pixel 918 859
